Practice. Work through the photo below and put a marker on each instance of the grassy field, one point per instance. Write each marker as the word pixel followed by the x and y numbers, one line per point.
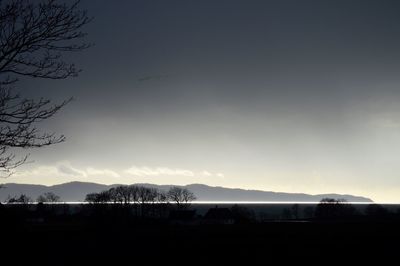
pixel 74 240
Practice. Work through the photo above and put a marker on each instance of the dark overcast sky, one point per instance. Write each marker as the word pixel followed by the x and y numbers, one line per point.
pixel 278 95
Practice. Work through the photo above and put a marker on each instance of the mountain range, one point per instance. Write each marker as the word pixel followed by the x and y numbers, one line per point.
pixel 76 192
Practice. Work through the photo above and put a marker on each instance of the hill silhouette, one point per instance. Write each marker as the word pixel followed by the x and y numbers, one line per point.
pixel 76 192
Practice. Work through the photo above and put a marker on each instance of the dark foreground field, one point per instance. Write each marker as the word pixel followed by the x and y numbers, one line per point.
pixel 69 244
pixel 119 241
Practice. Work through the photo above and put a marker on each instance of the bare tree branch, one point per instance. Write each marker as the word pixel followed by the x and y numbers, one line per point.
pixel 34 36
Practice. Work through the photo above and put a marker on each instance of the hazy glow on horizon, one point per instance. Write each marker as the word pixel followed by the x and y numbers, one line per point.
pixel 64 172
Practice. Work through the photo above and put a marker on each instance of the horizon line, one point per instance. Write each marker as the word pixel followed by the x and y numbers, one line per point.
pixel 235 202
pixel 215 186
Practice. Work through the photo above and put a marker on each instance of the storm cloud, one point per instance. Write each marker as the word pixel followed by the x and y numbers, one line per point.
pixel 297 96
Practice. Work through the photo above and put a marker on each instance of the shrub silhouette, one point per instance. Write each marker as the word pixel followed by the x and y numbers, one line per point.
pixel 22 199
pixel 48 197
pixel 334 208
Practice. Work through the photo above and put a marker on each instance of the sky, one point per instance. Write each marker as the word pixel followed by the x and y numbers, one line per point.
pixel 284 95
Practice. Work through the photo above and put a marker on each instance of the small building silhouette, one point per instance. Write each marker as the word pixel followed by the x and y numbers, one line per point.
pixel 219 216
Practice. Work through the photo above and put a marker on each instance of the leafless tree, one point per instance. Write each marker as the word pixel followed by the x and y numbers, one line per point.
pixel 92 198
pixel 152 195
pixel 48 197
pixel 123 194
pixel 114 197
pixel 146 195
pixel 143 198
pixel 188 196
pixel 161 208
pixel 22 199
pixel 104 196
pixel 101 197
pixel 180 195
pixel 162 197
pixel 34 36
pixel 334 208
pixel 135 195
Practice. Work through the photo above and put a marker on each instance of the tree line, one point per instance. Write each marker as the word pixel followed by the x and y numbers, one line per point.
pixel 48 197
pixel 334 209
pixel 135 194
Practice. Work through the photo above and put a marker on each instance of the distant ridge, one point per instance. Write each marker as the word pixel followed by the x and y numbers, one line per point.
pixel 76 192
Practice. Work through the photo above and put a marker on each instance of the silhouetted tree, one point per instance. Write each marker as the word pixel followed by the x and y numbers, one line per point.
pixel 188 196
pixel 140 198
pixel 123 194
pixel 112 192
pixel 144 194
pixel 162 197
pixel 152 195
pixel 334 208
pixel 104 196
pixel 135 197
pixel 48 197
pixel 101 197
pixel 180 195
pixel 41 199
pixel 92 198
pixel 162 203
pixel 34 36
pixel 21 199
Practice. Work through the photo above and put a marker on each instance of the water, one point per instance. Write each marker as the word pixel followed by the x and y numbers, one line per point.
pixel 261 210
